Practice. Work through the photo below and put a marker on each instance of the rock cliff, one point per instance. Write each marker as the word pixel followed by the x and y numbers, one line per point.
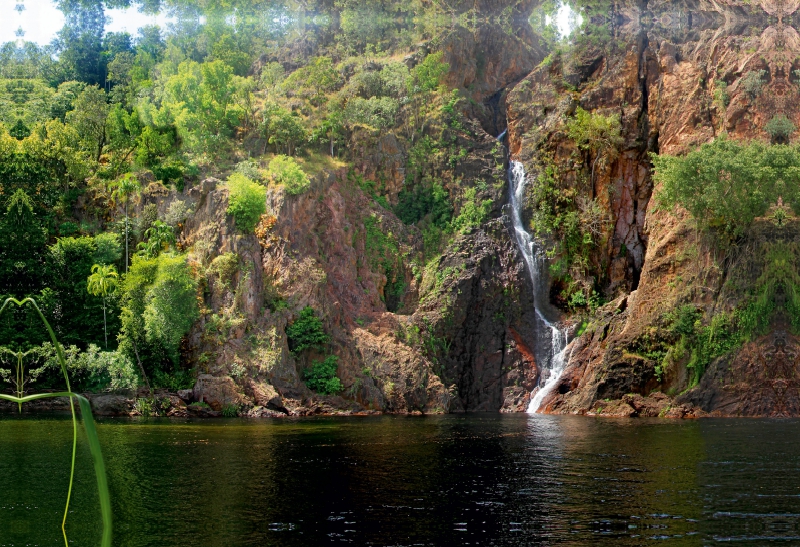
pixel 676 76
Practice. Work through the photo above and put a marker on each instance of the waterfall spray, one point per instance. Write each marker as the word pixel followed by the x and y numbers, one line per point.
pixel 552 341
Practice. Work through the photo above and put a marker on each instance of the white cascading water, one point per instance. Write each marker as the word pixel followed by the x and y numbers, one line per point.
pixel 551 354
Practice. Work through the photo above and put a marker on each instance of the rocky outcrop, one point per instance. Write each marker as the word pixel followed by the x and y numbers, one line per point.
pixel 677 77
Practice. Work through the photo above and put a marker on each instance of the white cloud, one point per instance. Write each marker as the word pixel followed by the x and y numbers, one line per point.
pixel 41 20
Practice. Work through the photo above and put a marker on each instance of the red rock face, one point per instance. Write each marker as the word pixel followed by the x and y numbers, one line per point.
pixel 666 78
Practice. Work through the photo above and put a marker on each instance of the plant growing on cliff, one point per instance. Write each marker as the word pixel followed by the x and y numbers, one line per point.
pixel 720 96
pixel 472 212
pixel 321 377
pixel 725 185
pixel 752 82
pixel 246 201
pixel 306 332
pixel 598 134
pixel 780 129
pixel 286 171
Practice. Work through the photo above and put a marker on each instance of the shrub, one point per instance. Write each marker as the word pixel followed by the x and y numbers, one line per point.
pixel 725 184
pixel 225 267
pixel 373 112
pixel 306 332
pixel 321 377
pixel 173 381
pixel 472 213
pixel 285 170
pixel 92 370
pixel 177 212
pixel 780 128
pixel 432 200
pixel 231 410
pixel 109 248
pixel 249 169
pixel 246 202
pixel 752 82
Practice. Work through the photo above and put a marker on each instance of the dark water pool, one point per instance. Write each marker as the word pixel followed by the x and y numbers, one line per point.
pixel 450 480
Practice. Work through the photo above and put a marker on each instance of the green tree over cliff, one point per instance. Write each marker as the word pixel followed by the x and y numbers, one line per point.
pixel 725 184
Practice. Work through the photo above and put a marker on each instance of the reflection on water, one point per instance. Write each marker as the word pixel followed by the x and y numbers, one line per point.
pixel 499 480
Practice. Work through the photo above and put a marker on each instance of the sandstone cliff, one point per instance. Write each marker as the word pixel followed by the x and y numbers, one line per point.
pixel 677 76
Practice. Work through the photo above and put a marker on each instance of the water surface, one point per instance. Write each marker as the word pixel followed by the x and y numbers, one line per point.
pixel 448 480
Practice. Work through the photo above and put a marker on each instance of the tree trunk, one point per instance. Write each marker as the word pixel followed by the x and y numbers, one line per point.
pixel 105 323
pixel 141 368
pixel 126 235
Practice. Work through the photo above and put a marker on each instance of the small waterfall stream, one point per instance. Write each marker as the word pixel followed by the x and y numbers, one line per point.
pixel 551 346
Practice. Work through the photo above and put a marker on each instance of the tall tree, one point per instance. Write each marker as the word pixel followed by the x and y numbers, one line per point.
pixel 102 282
pixel 125 189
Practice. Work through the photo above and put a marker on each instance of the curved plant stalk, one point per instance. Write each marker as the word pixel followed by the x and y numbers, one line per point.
pixel 88 425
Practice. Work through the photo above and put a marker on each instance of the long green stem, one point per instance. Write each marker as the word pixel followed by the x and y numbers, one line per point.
pixel 88 421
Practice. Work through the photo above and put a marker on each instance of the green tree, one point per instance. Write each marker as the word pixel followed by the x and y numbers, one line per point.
pixel 246 201
pixel 124 190
pixel 425 79
pixel 159 306
pixel 159 237
pixel 204 101
pixel 272 75
pixel 282 128
pixel 725 184
pixel 306 331
pixel 599 135
pixel 88 117
pixel 285 170
pixel 102 282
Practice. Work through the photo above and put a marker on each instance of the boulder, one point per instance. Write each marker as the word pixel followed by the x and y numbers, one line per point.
pixel 217 391
pixel 265 395
pixel 111 405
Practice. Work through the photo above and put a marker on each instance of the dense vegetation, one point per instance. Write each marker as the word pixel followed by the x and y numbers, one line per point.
pixel 96 126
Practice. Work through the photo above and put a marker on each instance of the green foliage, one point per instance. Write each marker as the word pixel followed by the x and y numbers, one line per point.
pixel 306 332
pixel 230 411
pixel 597 134
pixel 430 202
pixel 286 171
pixel 428 75
pixel 109 249
pixel 159 237
pixel 159 305
pixel 472 213
pixel 246 201
pixel 203 100
pixel 225 267
pixel 282 128
pixel 720 96
pixel 373 112
pixel 780 128
pixel 725 184
pixel 173 381
pixel 92 370
pixel 381 248
pixel 752 82
pixel 322 378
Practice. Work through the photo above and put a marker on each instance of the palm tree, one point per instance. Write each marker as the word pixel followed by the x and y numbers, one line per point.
pixel 102 282
pixel 125 188
pixel 160 237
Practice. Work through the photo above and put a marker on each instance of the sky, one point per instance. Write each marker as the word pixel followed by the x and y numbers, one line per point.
pixel 41 20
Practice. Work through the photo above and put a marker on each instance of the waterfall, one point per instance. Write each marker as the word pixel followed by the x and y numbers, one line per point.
pixel 551 346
